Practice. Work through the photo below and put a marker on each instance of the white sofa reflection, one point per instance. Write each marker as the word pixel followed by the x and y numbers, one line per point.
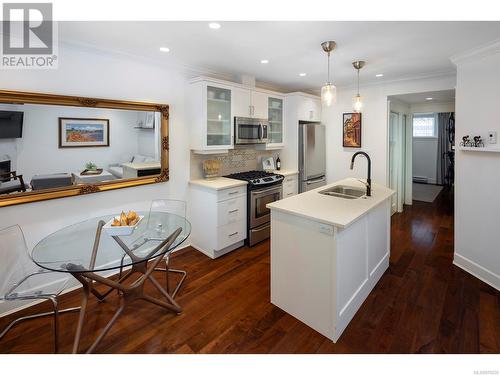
pixel 138 166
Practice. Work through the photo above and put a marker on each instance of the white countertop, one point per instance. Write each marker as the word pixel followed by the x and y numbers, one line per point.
pixel 286 172
pixel 217 183
pixel 332 210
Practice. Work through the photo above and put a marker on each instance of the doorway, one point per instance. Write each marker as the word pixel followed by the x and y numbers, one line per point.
pixel 420 146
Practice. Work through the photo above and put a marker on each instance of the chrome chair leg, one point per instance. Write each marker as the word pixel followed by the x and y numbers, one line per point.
pixel 168 270
pixel 55 304
pixel 54 313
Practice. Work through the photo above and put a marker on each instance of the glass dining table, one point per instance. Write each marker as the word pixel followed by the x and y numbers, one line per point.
pixel 85 250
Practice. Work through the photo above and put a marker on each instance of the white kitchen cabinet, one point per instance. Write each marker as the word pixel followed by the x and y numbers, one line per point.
pixel 309 109
pixel 250 103
pixel 211 113
pixel 259 104
pixel 275 117
pixel 242 102
pixel 298 106
pixel 213 104
pixel 290 185
pixel 218 219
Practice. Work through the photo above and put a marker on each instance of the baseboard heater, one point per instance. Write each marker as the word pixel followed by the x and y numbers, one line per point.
pixel 420 179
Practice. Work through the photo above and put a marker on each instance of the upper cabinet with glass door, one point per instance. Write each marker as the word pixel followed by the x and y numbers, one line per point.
pixel 218 117
pixel 275 116
pixel 210 109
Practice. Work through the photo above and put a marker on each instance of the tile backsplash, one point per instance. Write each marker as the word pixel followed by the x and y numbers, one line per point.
pixel 241 159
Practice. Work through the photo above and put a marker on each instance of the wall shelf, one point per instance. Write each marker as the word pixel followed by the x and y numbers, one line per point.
pixel 480 149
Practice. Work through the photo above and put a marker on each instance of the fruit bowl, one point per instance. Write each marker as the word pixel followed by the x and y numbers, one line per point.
pixel 123 230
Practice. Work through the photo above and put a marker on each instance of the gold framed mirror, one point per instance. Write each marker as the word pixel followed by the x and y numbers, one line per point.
pixel 73 134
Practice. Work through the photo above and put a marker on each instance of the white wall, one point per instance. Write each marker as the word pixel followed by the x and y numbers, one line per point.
pixel 374 125
pixel 424 158
pixel 38 152
pixel 83 73
pixel 477 174
pixel 432 107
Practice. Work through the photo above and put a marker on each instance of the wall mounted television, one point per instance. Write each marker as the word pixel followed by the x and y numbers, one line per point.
pixel 11 124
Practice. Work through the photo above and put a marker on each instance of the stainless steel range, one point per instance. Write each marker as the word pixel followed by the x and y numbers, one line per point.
pixel 263 188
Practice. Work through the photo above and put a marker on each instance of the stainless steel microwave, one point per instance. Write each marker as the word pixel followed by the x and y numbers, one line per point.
pixel 250 131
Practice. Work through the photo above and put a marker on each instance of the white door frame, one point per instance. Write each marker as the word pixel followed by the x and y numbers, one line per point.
pixel 401 160
pixel 409 160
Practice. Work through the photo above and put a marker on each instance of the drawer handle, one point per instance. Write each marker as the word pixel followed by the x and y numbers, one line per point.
pixel 233 211
pixel 289 194
pixel 233 192
pixel 233 234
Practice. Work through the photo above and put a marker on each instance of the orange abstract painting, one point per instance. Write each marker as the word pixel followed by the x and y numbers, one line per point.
pixel 352 130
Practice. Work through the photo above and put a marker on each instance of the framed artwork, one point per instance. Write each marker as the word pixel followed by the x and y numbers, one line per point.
pixel 351 130
pixel 83 132
pixel 268 163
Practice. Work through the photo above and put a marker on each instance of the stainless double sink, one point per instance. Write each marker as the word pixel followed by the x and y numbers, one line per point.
pixel 342 191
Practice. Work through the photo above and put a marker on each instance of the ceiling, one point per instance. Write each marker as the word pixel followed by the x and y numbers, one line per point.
pixel 444 96
pixel 397 49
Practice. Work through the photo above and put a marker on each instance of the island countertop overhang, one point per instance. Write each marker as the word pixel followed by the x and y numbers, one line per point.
pixel 336 211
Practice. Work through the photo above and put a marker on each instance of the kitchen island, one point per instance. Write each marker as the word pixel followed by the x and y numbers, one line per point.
pixel 328 252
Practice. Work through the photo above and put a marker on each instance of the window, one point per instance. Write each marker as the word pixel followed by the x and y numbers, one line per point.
pixel 424 125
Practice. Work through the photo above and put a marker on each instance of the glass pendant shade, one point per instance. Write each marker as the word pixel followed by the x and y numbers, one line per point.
pixel 357 103
pixel 329 94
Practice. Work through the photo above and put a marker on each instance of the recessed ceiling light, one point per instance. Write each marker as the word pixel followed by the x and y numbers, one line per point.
pixel 379 75
pixel 302 74
pixel 264 61
pixel 214 25
pixel 164 49
pixel 428 98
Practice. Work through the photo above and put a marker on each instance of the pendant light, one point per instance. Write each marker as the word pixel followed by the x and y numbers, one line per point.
pixel 328 91
pixel 357 103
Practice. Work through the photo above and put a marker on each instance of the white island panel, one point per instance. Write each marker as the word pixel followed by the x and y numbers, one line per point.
pixel 352 263
pixel 324 267
pixel 302 253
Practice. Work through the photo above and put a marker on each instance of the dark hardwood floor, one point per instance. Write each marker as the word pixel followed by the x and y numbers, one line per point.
pixel 422 304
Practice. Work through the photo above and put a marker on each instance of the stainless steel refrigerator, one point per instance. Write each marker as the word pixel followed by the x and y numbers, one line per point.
pixel 312 155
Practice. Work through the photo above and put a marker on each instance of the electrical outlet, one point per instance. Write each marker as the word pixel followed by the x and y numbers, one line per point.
pixel 326 229
pixel 492 137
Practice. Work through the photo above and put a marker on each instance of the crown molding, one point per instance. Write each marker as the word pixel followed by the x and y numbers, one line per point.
pixel 409 78
pixel 303 93
pixel 484 50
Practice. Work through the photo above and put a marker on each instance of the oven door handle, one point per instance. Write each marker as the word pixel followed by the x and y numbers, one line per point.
pixel 271 189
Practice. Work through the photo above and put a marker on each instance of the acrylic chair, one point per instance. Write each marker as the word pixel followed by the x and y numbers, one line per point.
pixel 22 280
pixel 172 206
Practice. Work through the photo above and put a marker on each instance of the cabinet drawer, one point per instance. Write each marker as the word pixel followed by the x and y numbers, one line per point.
pixel 238 191
pixel 290 188
pixel 231 233
pixel 290 178
pixel 231 210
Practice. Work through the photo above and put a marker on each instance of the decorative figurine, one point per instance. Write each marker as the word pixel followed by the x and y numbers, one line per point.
pixel 478 142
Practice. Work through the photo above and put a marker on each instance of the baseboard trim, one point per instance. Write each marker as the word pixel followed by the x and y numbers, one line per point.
pixel 476 270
